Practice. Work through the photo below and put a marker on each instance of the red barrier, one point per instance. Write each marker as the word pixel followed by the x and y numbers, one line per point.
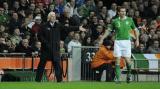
pixel 30 63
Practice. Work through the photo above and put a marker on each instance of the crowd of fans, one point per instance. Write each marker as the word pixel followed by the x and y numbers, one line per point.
pixel 21 21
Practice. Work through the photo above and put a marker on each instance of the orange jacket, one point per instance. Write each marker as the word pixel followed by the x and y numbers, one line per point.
pixel 104 55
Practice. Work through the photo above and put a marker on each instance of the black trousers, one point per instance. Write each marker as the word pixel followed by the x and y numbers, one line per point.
pixel 56 66
pixel 109 72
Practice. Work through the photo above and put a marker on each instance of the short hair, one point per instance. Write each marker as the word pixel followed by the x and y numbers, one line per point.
pixel 107 42
pixel 120 7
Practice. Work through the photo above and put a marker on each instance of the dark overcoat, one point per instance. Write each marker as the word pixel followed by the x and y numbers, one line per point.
pixel 50 39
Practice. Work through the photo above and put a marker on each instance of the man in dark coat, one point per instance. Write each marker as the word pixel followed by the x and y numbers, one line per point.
pixel 50 39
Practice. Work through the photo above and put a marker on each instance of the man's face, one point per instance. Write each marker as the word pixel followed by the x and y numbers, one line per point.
pixel 38 21
pixel 141 47
pixel 53 17
pixel 25 43
pixel 2 40
pixel 108 47
pixel 122 12
pixel 156 44
pixel 1 11
pixel 38 44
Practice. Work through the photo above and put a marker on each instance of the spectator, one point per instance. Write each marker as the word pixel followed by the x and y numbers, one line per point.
pixel 153 12
pixel 126 5
pixel 69 38
pixel 62 47
pixel 25 28
pixel 3 45
pixel 36 28
pixel 103 14
pixel 23 5
pixel 87 41
pixel 2 29
pixel 99 6
pixel 14 22
pixel 131 13
pixel 143 38
pixel 4 18
pixel 153 25
pixel 15 6
pixel 113 11
pixel 154 48
pixel 137 18
pixel 37 48
pixel 59 7
pixel 6 8
pixel 31 8
pixel 99 31
pixel 16 38
pixel 94 23
pixel 82 36
pixel 103 61
pixel 158 21
pixel 74 42
pixel 134 5
pixel 158 33
pixel 101 22
pixel 143 11
pixel 50 8
pixel 70 8
pixel 85 9
pixel 86 25
pixel 141 49
pixel 24 47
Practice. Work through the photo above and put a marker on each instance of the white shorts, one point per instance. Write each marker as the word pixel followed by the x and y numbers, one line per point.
pixel 122 48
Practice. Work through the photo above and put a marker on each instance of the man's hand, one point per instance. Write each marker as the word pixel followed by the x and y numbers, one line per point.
pixel 137 37
pixel 81 28
pixel 137 43
pixel 101 40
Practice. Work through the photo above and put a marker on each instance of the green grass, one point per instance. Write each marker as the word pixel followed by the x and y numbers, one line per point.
pixel 79 85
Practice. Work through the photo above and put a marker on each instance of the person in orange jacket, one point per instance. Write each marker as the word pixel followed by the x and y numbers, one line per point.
pixel 103 60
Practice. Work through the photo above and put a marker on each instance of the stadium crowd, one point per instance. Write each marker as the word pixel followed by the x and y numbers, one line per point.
pixel 20 22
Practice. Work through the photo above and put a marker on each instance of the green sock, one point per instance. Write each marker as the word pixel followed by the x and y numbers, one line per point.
pixel 128 69
pixel 118 72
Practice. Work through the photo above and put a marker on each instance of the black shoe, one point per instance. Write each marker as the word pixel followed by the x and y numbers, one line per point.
pixel 59 80
pixel 38 80
pixel 128 79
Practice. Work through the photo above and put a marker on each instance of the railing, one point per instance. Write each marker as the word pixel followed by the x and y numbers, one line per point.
pixel 12 55
pixel 87 52
pixel 77 67
pixel 149 65
pixel 14 61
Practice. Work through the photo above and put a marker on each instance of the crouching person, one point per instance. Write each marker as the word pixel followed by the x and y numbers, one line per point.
pixel 103 60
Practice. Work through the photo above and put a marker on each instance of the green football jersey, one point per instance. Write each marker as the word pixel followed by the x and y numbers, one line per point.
pixel 122 28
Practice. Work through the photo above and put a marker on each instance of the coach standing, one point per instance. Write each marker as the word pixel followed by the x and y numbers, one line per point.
pixel 50 39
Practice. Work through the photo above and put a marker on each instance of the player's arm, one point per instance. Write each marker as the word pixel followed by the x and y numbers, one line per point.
pixel 110 27
pixel 106 33
pixel 137 37
pixel 136 33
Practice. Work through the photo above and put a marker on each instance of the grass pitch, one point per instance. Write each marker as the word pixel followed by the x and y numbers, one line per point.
pixel 79 85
